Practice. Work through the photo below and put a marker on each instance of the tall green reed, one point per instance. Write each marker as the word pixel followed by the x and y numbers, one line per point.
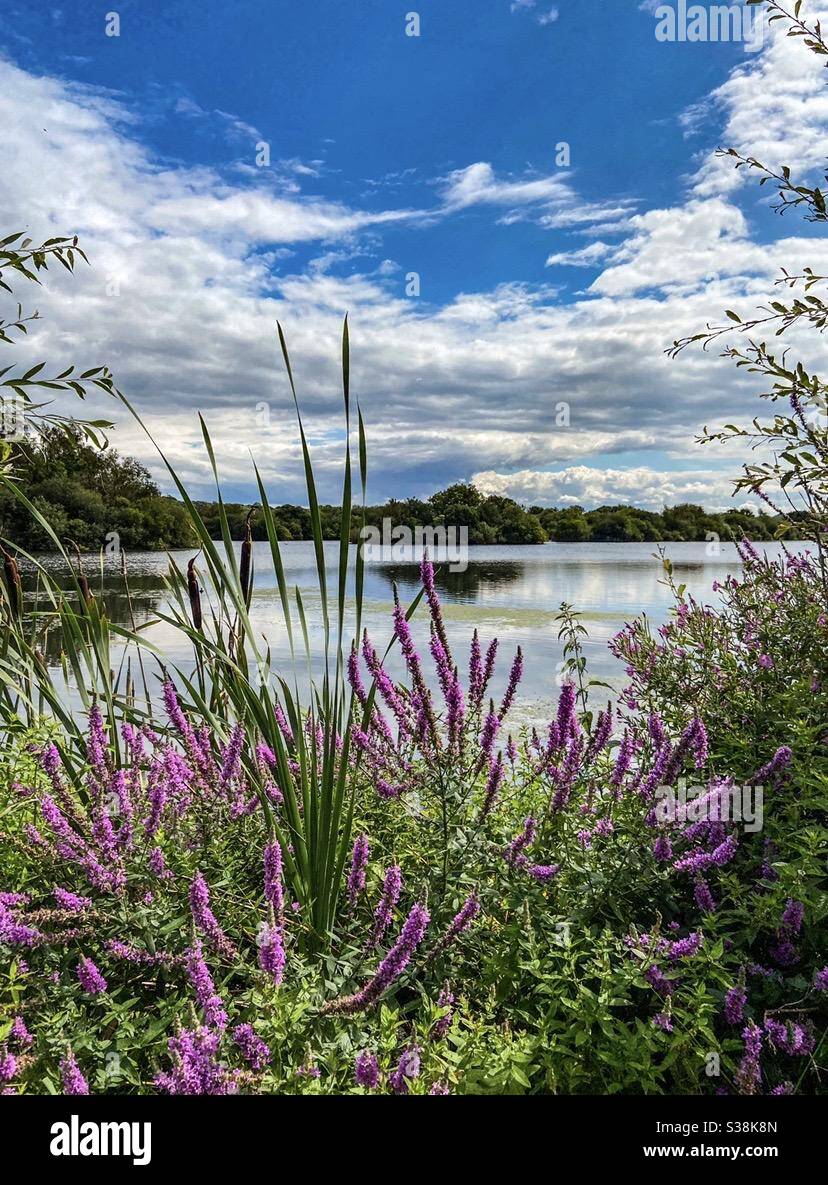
pixel 233 679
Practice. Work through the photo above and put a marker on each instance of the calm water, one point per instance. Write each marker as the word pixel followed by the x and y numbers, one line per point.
pixel 512 593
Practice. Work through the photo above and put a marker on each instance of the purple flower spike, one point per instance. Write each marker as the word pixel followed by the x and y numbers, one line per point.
pixel 273 887
pixel 366 1070
pixel 90 977
pixel 390 969
pixel 253 1049
pixel 73 1081
pixel 734 1005
pixel 461 921
pixel 359 863
pixel 391 887
pixel 407 1070
pixel 515 676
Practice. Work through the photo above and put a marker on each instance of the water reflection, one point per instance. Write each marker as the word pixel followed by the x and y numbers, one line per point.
pixel 479 578
pixel 512 593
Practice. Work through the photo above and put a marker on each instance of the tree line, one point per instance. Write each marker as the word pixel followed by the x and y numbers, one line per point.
pixel 92 496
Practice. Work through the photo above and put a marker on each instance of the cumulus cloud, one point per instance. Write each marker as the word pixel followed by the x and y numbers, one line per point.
pixel 191 271
pixel 581 485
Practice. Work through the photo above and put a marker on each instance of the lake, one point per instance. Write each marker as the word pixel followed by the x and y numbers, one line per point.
pixel 512 593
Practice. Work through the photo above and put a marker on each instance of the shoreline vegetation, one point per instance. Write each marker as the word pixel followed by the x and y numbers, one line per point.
pixel 90 496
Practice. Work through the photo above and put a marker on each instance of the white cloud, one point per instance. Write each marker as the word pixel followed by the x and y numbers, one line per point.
pixel 201 268
pixel 642 486
pixel 549 17
pixel 583 257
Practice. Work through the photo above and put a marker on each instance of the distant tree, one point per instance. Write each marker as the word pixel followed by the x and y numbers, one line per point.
pixel 90 496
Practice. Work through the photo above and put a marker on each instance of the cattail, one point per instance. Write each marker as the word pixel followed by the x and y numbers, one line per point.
pixel 83 583
pixel 14 587
pixel 194 593
pixel 246 565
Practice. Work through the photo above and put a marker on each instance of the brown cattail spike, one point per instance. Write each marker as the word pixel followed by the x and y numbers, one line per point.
pixel 14 587
pixel 194 593
pixel 83 583
pixel 246 565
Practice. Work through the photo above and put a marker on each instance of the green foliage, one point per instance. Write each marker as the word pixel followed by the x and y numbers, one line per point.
pixel 90 496
pixel 25 396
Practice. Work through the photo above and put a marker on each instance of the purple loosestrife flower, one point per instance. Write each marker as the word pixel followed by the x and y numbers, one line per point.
pixel 355 677
pixel 601 735
pixel 543 872
pixel 663 1021
pixel 205 919
pixel 663 849
pixel 20 1034
pixel 685 947
pixel 8 1065
pixel 461 921
pixel 90 977
pixel 402 632
pixel 456 709
pixel 493 784
pixel 195 1068
pixel 73 1081
pixel 427 578
pixel 725 852
pixel 791 1038
pixel 775 767
pixel 491 726
pixel 385 686
pixel 749 1072
pixel 438 1088
pixel 821 980
pixel 273 887
pixel 366 1070
pixel 475 673
pixel 793 916
pixel 623 760
pixel 442 1026
pixel 734 1005
pixel 391 967
pixel 784 953
pixel 514 853
pixel 655 727
pixel 407 1070
pixel 71 901
pixel 566 720
pixel 658 981
pixel 97 745
pixel 515 676
pixel 15 933
pixel 441 662
pixel 489 663
pixel 157 864
pixel 208 999
pixel 391 888
pixel 359 863
pixel 253 1049
pixel 703 896
pixel 231 758
pixel 700 743
pixel 272 952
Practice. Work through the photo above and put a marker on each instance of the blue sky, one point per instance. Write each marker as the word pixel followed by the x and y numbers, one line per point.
pixel 392 154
